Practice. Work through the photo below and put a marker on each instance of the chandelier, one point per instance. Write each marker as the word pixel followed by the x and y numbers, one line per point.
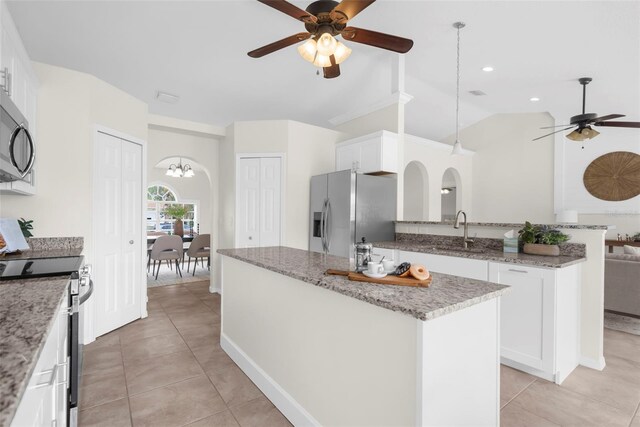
pixel 180 170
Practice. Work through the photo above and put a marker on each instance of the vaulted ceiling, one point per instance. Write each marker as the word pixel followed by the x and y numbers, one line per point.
pixel 197 50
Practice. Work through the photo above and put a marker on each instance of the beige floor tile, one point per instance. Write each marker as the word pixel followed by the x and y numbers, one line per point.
pixel 184 321
pixel 176 404
pixel 109 340
pixel 607 386
pixel 259 413
pixel 222 419
pixel 112 414
pixel 566 407
pixel 200 285
pixel 512 382
pixel 513 415
pixel 102 360
pixel 213 358
pixel 620 367
pixel 153 346
pixel 621 344
pixel 186 307
pixel 148 373
pixel 146 328
pixel 234 386
pixel 202 336
pixel 99 388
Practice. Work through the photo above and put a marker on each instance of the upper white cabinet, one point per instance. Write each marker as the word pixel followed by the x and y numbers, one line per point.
pixel 18 80
pixel 374 153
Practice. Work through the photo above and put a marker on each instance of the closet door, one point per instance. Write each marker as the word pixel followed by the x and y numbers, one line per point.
pixel 258 198
pixel 118 230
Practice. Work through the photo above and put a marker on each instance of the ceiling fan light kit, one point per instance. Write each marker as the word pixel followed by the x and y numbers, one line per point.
pixel 324 20
pixel 582 122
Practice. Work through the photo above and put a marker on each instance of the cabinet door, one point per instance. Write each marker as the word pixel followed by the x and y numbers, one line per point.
pixel 527 314
pixel 347 157
pixel 370 156
pixel 455 266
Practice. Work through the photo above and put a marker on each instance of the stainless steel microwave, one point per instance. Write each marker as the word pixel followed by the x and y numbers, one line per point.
pixel 17 151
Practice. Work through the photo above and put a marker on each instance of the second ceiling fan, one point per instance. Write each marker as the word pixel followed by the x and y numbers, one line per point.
pixel 324 20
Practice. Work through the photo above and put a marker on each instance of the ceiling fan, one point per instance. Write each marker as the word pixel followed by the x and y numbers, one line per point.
pixel 324 20
pixel 582 122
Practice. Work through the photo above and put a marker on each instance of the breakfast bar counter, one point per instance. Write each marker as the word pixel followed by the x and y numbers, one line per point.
pixel 328 351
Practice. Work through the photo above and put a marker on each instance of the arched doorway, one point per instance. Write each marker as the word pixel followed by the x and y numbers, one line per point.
pixel 450 194
pixel 416 192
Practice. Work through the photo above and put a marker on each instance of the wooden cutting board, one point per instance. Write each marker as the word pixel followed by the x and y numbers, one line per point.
pixel 387 280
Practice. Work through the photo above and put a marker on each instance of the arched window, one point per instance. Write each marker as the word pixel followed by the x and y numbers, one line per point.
pixel 158 198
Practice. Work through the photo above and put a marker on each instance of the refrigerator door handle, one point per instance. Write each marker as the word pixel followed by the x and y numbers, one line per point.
pixel 322 222
pixel 327 222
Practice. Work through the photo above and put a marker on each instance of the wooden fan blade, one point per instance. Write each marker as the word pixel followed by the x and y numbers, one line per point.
pixel 265 50
pixel 333 71
pixel 619 124
pixel 348 9
pixel 291 10
pixel 561 130
pixel 609 117
pixel 373 38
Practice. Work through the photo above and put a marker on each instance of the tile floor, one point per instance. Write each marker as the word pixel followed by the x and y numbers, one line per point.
pixel 169 370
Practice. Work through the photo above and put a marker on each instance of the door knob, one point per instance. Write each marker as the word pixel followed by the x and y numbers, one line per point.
pixel 131 242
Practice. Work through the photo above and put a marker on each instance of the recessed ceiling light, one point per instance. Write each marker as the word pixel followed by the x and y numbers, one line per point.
pixel 534 99
pixel 487 69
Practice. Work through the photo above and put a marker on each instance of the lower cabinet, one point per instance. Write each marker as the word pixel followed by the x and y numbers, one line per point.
pixel 44 402
pixel 462 267
pixel 539 319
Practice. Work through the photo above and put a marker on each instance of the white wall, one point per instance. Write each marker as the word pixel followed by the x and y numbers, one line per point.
pixel 415 187
pixel 512 175
pixel 203 186
pixel 437 158
pixel 70 103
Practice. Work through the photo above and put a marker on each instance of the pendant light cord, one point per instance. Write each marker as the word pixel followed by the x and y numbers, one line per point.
pixel 458 25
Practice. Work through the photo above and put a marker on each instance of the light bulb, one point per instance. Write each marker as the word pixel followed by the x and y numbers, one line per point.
pixel 308 50
pixel 327 44
pixel 169 172
pixel 322 61
pixel 189 173
pixel 342 52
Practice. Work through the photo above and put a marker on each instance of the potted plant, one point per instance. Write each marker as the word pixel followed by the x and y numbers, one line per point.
pixel 541 239
pixel 26 227
pixel 176 212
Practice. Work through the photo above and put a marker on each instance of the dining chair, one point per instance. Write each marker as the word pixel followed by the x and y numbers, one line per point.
pixel 169 249
pixel 199 248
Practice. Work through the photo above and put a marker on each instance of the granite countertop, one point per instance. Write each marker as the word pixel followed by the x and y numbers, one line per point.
pixel 28 309
pixel 446 293
pixel 484 254
pixel 44 253
pixel 510 225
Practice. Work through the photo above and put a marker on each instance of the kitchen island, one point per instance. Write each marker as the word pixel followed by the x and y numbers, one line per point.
pixel 327 351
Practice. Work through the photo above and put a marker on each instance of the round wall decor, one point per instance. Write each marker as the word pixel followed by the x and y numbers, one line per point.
pixel 614 176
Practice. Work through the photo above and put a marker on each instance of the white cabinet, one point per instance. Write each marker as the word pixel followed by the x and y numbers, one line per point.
pixel 44 402
pixel 18 80
pixel 456 266
pixel 539 319
pixel 374 153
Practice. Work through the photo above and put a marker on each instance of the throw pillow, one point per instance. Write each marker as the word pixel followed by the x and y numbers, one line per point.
pixel 630 250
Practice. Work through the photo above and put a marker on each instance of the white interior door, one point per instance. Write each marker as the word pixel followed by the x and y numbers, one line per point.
pixel 258 195
pixel 118 231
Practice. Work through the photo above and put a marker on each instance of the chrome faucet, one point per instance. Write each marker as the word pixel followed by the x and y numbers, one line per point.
pixel 456 225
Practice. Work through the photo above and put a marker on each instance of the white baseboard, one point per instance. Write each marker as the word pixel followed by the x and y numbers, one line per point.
pixel 282 400
pixel 593 364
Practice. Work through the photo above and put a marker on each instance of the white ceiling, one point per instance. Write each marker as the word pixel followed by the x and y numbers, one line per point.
pixel 197 50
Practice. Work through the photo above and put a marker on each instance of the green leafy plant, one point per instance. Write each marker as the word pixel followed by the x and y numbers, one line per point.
pixel 541 234
pixel 26 227
pixel 175 211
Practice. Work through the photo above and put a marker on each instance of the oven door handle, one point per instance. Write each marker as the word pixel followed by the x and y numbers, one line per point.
pixel 12 143
pixel 87 294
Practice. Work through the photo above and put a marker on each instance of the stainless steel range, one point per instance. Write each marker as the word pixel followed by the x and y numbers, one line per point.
pixel 80 289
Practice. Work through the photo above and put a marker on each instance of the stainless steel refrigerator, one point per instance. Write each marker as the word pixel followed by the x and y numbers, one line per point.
pixel 346 206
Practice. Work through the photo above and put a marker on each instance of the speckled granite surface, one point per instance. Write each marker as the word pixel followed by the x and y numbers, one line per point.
pixel 50 247
pixel 484 243
pixel 27 311
pixel 484 254
pixel 508 225
pixel 445 295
